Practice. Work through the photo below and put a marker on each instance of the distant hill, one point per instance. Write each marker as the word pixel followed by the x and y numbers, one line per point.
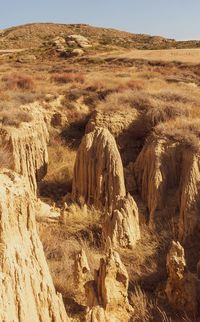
pixel 34 35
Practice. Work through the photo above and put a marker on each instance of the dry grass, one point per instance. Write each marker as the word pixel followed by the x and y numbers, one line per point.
pixel 64 78
pixel 58 180
pixel 14 117
pixel 140 303
pixel 186 131
pixel 61 241
pixel 18 81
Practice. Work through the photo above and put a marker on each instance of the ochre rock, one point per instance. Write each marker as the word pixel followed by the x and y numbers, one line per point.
pixel 98 173
pixel 27 292
pixel 28 147
pixel 111 289
pixel 122 225
pixel 182 286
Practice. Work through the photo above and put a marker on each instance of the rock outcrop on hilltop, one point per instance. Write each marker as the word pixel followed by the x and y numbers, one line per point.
pixel 98 173
pixel 27 145
pixel 27 292
pixel 182 287
pixel 110 289
pixel 78 40
pixel 99 181
pixel 168 174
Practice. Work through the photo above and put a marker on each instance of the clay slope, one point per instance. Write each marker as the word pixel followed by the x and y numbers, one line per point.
pixel 28 147
pixel 168 175
pixel 26 288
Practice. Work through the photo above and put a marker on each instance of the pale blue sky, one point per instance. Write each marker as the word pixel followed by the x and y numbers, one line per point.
pixel 178 19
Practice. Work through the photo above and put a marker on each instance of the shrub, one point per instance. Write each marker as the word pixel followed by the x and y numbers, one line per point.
pixel 134 85
pixel 20 81
pixel 163 113
pixel 183 130
pixel 64 78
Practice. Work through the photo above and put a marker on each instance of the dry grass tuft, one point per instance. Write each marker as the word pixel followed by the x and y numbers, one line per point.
pixel 14 117
pixel 78 218
pixel 18 81
pixel 140 303
pixel 58 180
pixel 64 78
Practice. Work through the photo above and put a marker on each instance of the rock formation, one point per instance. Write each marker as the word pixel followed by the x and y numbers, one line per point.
pixel 166 171
pixel 78 40
pixel 28 147
pixel 99 180
pixel 98 173
pixel 182 286
pixel 82 275
pixel 111 291
pixel 27 292
pixel 122 225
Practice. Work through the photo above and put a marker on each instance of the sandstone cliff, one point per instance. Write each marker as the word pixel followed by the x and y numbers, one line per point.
pixel 28 147
pixel 27 292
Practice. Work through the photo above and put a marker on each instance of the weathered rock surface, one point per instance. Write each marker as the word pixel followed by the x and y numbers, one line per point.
pixel 98 173
pixel 111 290
pixel 122 225
pixel 27 292
pixel 79 40
pixel 59 43
pixel 82 275
pixel 182 286
pixel 166 171
pixel 28 147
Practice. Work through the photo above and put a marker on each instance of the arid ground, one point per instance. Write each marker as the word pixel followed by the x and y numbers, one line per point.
pixel 142 94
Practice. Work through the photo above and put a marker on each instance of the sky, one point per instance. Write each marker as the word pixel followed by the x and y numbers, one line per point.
pixel 177 19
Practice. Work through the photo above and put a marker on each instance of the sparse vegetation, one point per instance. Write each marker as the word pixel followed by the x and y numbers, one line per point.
pixel 13 117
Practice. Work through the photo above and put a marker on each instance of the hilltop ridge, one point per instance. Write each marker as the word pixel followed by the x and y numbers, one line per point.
pixel 34 35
